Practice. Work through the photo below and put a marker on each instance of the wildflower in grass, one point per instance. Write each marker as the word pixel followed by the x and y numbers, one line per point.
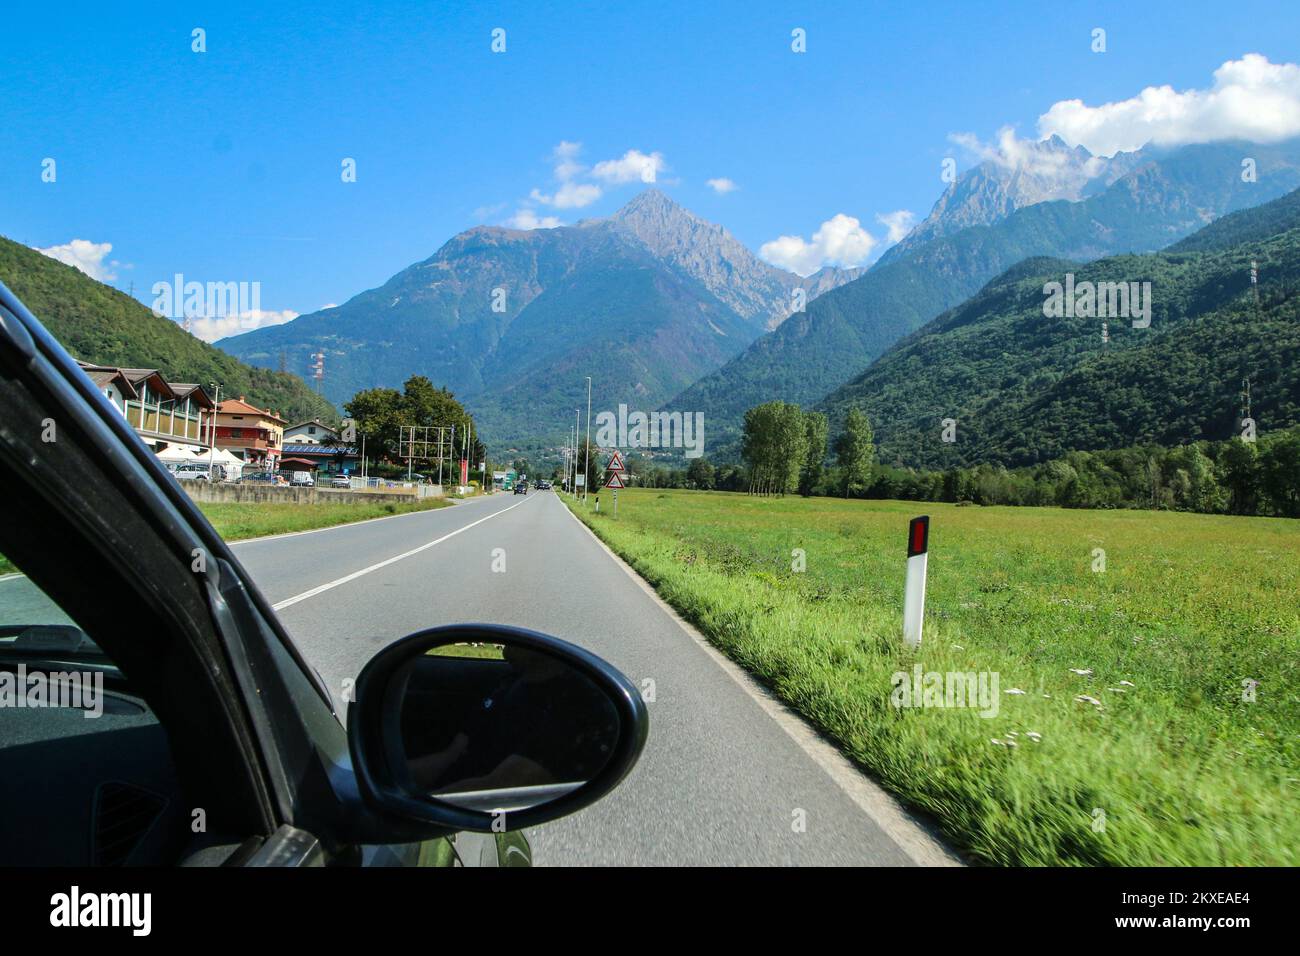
pixel 1085 699
pixel 1082 672
pixel 1034 735
pixel 1127 683
pixel 1015 690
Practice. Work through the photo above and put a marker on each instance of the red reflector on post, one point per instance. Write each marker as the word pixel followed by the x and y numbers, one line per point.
pixel 918 536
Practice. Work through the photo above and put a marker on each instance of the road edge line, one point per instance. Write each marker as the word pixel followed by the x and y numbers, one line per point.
pixel 919 839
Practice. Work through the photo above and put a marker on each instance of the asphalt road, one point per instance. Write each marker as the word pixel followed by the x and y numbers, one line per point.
pixel 726 777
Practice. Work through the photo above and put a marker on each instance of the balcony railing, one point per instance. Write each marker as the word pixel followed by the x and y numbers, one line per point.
pixel 165 423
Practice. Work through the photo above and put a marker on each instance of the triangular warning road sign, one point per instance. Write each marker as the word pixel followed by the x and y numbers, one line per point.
pixel 615 463
pixel 615 481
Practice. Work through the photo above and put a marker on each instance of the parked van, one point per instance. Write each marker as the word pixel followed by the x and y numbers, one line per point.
pixel 194 472
pixel 302 479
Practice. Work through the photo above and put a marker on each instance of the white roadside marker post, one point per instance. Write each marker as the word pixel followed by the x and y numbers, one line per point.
pixel 918 545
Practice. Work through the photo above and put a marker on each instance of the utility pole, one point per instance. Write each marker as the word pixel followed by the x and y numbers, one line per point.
pixel 586 452
pixel 577 431
pixel 212 430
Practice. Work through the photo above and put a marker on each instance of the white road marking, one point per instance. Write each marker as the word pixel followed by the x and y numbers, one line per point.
pixel 916 838
pixel 289 602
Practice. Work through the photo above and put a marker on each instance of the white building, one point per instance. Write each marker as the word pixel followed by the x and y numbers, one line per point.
pixel 314 432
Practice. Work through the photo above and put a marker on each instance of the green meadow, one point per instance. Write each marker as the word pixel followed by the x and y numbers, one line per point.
pixel 1179 744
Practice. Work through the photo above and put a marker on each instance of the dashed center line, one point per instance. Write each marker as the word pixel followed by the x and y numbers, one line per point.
pixel 289 602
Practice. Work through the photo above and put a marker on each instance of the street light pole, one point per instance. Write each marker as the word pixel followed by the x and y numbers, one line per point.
pixel 586 463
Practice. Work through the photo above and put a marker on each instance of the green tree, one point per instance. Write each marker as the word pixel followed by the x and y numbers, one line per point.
pixel 854 450
pixel 700 474
pixel 1240 462
pixel 774 446
pixel 1279 472
pixel 378 416
pixel 815 437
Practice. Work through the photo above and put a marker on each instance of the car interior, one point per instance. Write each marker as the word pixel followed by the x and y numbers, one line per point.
pixel 160 776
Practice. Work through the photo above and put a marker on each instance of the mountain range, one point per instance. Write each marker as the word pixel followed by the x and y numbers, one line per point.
pixel 646 302
pixel 664 309
pixel 1137 202
pixel 1023 386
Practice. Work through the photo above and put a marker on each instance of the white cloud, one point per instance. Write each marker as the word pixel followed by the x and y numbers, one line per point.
pixel 527 218
pixel 1249 99
pixel 632 166
pixel 566 160
pixel 898 224
pixel 87 256
pixel 568 196
pixel 839 241
pixel 577 186
pixel 722 185
pixel 212 328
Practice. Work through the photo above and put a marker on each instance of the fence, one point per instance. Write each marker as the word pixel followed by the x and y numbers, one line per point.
pixel 220 491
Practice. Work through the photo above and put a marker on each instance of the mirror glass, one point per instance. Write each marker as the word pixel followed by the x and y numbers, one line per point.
pixel 495 727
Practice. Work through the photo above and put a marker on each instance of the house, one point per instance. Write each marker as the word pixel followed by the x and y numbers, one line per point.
pixel 314 432
pixel 166 415
pixel 338 458
pixel 254 435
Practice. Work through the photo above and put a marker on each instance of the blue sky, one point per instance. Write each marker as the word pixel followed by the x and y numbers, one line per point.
pixel 225 165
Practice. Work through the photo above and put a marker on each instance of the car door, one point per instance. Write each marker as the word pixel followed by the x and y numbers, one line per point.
pixel 249 756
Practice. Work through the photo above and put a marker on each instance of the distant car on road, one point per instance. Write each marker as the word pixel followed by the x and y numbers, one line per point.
pixel 521 488
pixel 340 481
pixel 543 486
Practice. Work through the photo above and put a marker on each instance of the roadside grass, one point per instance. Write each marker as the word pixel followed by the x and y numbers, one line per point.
pixel 1179 768
pixel 247 519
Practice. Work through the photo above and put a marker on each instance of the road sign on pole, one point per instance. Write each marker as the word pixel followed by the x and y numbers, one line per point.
pixel 616 463
pixel 918 550
pixel 615 481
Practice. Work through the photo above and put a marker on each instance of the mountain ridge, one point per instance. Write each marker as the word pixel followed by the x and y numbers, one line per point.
pixel 1165 197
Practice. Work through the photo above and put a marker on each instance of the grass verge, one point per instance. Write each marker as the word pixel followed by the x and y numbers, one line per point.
pixel 239 519
pixel 1174 763
pixel 245 519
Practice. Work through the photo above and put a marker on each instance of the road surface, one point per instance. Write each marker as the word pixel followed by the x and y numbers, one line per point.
pixel 726 777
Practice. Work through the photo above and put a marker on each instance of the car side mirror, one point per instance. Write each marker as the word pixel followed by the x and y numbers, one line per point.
pixel 491 728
